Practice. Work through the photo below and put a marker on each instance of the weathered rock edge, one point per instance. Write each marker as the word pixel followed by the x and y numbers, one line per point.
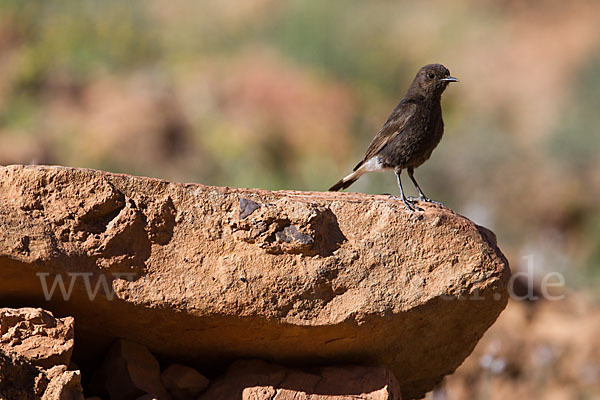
pixel 212 274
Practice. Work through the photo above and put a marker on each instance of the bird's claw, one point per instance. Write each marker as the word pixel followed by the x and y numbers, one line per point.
pixel 410 205
pixel 426 200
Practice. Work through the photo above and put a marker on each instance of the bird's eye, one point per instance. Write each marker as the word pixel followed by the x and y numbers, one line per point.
pixel 430 75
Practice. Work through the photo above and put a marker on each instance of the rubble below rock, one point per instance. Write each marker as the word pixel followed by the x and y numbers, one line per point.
pixel 19 380
pixel 182 382
pixel 258 380
pixel 208 275
pixel 63 385
pixel 37 336
pixel 35 350
pixel 130 371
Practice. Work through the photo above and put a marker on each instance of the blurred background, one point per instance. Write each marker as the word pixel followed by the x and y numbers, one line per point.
pixel 288 94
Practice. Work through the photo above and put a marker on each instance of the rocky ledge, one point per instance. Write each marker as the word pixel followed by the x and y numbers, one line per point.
pixel 210 275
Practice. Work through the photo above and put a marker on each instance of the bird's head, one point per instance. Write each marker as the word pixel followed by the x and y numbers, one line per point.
pixel 432 79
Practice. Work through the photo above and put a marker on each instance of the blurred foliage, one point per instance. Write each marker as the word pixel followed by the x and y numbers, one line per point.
pixel 328 36
pixel 576 141
pixel 287 95
pixel 575 145
pixel 81 37
pixel 75 38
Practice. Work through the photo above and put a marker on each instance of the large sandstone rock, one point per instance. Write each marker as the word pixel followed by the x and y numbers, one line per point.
pixel 208 275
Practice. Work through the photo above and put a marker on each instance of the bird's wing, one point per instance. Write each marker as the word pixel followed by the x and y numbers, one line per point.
pixel 393 126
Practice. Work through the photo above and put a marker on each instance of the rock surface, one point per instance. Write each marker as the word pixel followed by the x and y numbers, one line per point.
pixel 210 274
pixel 258 380
pixel 35 351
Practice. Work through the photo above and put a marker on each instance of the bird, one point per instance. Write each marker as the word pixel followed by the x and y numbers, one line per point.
pixel 409 135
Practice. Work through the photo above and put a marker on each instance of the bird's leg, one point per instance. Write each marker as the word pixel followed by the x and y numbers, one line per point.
pixel 406 202
pixel 422 196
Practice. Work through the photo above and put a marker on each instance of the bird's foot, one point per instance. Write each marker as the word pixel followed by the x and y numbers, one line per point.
pixel 426 199
pixel 409 204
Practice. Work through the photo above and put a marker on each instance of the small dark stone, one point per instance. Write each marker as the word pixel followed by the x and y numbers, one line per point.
pixel 23 244
pixel 282 237
pixel 291 233
pixel 247 207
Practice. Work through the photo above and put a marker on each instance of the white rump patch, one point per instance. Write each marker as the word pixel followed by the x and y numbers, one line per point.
pixel 374 164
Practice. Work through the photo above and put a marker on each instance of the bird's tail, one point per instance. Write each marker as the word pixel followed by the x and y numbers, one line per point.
pixel 346 182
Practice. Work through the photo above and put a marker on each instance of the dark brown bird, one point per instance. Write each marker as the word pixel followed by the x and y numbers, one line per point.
pixel 410 134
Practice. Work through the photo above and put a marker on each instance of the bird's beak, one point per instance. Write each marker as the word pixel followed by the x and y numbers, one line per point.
pixel 450 79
